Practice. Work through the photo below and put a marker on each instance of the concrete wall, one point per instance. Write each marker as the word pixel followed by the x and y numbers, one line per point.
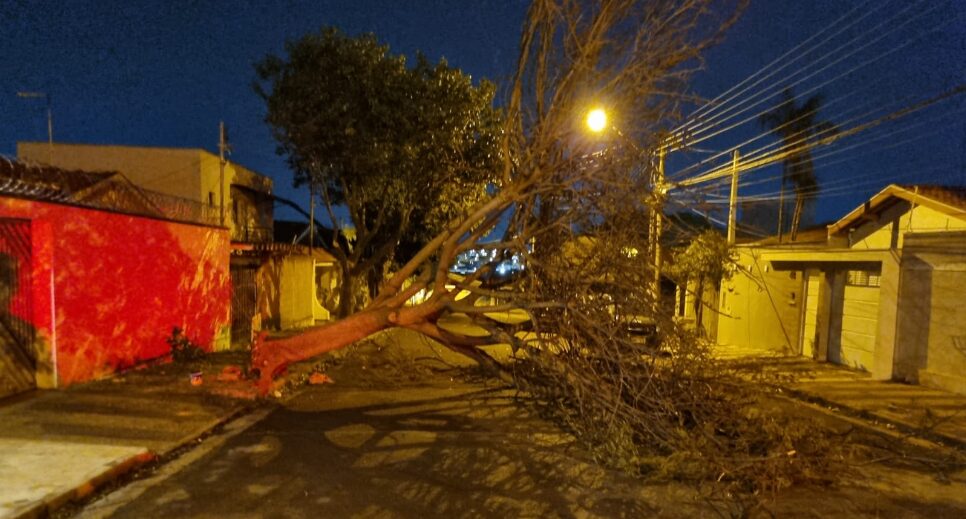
pixel 190 173
pixel 297 292
pixel 888 233
pixel 919 333
pixel 883 356
pixel 760 307
pixel 890 227
pixel 172 171
pixel 108 288
pixel 289 287
pixel 241 208
pixel 931 331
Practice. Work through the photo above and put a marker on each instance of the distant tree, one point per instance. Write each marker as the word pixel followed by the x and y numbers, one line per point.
pixel 403 149
pixel 797 126
pixel 705 262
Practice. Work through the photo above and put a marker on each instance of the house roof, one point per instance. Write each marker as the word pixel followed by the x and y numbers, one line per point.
pixel 809 236
pixel 45 182
pixel 288 231
pixel 949 200
pixel 109 191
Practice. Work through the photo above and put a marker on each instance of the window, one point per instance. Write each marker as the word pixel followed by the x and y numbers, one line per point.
pixel 211 198
pixel 864 278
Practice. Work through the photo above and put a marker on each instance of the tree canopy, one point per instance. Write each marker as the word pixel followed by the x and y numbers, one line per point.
pixel 401 148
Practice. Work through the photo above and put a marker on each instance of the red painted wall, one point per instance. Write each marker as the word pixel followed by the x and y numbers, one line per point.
pixel 120 283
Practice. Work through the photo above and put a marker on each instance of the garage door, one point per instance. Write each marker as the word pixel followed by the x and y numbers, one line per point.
pixel 810 319
pixel 860 312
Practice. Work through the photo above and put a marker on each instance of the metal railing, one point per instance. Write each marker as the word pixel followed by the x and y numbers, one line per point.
pixel 251 233
pixel 183 209
pixel 106 191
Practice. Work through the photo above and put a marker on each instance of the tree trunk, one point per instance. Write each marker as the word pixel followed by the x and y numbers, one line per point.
pixel 374 278
pixel 271 357
pixel 699 307
pixel 346 293
pixel 797 216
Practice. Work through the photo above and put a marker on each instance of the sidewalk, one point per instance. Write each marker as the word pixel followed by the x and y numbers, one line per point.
pixel 928 413
pixel 56 446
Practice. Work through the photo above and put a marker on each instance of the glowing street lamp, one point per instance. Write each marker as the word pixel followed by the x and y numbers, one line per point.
pixel 597 120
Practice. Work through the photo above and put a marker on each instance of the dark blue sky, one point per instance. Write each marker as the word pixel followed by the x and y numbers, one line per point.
pixel 164 73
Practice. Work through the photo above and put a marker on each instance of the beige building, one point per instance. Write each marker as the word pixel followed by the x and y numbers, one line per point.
pixel 881 292
pixel 274 286
pixel 239 198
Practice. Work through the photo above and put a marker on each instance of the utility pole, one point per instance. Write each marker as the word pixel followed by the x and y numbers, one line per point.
pixel 781 209
pixel 311 216
pixel 733 200
pixel 221 170
pixel 50 132
pixel 50 122
pixel 657 211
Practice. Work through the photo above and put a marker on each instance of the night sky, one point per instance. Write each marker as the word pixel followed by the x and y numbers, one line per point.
pixel 164 73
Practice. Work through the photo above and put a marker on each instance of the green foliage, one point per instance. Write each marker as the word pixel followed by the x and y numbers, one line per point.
pixel 706 259
pixel 182 349
pixel 403 148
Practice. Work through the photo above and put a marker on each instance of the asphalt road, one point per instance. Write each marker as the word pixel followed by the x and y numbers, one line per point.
pixel 396 437
pixel 433 450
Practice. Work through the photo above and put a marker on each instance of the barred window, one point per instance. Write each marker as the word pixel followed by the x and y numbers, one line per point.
pixel 864 278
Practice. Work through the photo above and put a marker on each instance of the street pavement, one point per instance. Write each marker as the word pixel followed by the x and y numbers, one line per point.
pixel 433 449
pixel 394 436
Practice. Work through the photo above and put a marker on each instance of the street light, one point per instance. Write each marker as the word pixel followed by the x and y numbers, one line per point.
pixel 50 122
pixel 597 120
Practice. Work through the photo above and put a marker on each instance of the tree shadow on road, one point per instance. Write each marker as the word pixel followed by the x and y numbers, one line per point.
pixel 448 451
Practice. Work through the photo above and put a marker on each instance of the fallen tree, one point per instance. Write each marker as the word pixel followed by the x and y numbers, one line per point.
pixel 556 181
pixel 576 207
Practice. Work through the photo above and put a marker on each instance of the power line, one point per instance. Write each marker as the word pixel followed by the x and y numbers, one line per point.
pixel 715 104
pixel 792 150
pixel 921 136
pixel 707 125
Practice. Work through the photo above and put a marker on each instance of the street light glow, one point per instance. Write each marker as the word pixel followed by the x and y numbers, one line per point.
pixel 597 120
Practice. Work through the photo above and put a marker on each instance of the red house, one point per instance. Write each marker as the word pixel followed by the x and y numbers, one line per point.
pixel 94 275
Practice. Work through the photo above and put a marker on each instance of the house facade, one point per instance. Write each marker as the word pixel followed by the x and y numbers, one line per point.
pixel 238 199
pixel 272 284
pixel 879 292
pixel 93 277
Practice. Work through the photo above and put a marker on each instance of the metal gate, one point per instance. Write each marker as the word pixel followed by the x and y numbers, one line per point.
pixel 243 301
pixel 18 356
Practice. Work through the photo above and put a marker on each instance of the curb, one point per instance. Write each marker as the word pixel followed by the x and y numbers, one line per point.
pixel 202 432
pixel 872 422
pixel 52 502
